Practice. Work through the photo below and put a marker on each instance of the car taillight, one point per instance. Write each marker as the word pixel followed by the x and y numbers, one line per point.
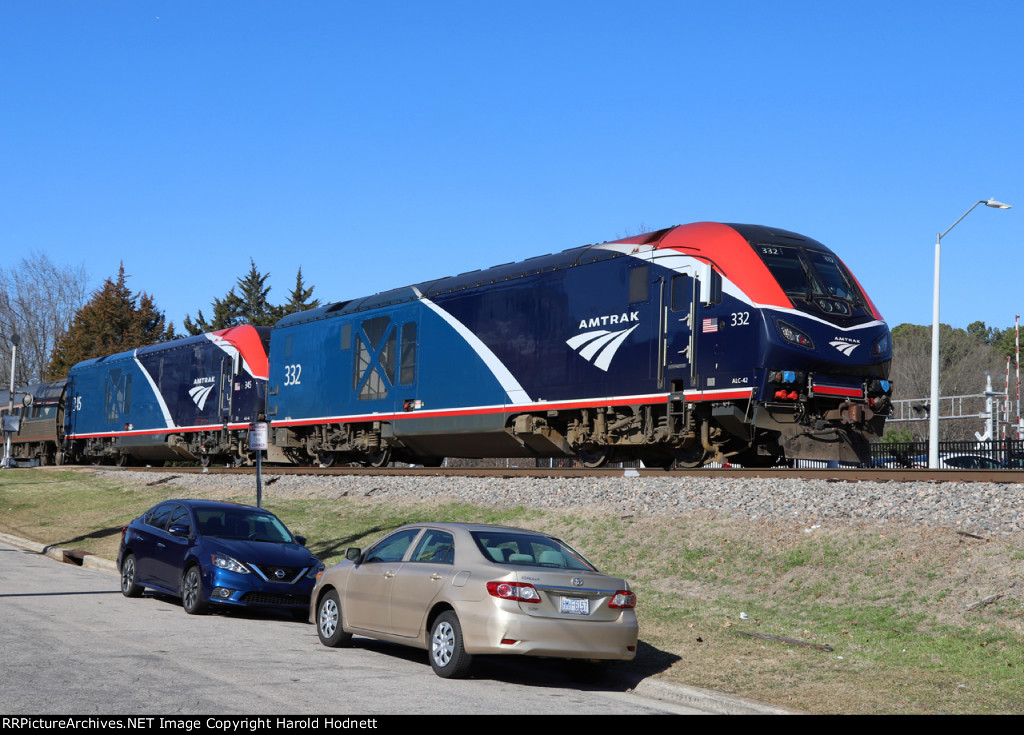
pixel 623 599
pixel 514 591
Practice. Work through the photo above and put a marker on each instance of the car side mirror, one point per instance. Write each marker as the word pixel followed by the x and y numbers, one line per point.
pixel 300 540
pixel 176 530
pixel 354 554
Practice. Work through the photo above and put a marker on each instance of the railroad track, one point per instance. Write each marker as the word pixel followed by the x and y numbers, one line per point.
pixel 834 475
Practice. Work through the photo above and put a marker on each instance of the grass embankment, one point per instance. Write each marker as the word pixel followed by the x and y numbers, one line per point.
pixel 830 619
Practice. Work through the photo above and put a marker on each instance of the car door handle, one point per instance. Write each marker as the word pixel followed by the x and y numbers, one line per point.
pixel 389 574
pixel 436 576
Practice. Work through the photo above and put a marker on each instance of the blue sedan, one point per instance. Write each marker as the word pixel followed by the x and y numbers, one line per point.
pixel 212 553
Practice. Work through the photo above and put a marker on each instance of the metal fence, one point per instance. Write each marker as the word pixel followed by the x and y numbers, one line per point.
pixel 1002 454
pixel 1006 453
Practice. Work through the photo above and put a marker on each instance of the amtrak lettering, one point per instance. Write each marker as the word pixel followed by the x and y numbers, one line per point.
pixel 604 321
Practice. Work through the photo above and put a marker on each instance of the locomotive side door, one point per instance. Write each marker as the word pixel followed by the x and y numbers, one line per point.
pixel 229 367
pixel 677 360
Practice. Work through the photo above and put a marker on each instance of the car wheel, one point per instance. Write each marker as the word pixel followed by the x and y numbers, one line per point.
pixel 192 592
pixel 128 586
pixel 448 657
pixel 328 622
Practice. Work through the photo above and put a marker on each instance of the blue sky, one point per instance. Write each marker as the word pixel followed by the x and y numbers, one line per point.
pixel 378 144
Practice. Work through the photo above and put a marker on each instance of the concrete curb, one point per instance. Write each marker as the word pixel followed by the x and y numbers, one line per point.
pixel 57 553
pixel 706 701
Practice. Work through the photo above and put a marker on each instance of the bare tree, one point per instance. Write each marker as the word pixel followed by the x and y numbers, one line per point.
pixel 963 360
pixel 37 301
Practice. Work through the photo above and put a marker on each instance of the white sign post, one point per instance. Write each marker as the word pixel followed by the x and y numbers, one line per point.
pixel 258 444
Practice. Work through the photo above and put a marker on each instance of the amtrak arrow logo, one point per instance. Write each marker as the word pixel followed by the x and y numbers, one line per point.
pixel 845 347
pixel 199 394
pixel 599 347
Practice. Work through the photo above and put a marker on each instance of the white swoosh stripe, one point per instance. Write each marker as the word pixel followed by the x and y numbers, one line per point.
pixel 509 384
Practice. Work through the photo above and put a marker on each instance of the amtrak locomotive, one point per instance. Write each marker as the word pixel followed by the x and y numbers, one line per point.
pixel 699 342
pixel 190 399
pixel 679 346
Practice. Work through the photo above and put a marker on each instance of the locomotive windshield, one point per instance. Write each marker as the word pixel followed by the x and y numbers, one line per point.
pixel 816 276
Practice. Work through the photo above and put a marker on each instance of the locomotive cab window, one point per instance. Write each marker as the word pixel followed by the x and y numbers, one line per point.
pixel 682 293
pixel 639 284
pixel 791 270
pixel 838 283
pixel 816 277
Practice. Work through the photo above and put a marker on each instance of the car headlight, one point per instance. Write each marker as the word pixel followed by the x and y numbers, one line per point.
pixel 316 570
pixel 226 562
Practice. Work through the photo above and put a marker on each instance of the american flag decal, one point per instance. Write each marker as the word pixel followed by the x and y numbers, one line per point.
pixel 710 325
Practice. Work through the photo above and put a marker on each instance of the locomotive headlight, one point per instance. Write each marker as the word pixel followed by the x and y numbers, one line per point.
pixel 881 346
pixel 794 336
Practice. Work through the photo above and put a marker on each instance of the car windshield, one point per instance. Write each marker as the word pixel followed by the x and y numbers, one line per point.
pixel 242 523
pixel 527 549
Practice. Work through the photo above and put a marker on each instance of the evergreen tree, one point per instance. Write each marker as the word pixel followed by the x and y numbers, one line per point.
pixel 248 302
pixel 112 321
pixel 299 298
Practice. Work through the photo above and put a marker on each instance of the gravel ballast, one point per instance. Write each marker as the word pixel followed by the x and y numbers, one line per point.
pixel 981 508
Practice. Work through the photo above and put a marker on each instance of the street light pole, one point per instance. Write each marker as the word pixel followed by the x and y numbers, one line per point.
pixel 15 340
pixel 933 413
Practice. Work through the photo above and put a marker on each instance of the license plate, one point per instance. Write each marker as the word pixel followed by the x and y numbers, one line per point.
pixel 575 606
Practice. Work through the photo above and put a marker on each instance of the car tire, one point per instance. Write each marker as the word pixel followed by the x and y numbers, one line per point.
pixel 328 622
pixel 129 587
pixel 192 591
pixel 448 656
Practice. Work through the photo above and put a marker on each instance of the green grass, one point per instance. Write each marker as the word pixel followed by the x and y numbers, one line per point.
pixel 872 619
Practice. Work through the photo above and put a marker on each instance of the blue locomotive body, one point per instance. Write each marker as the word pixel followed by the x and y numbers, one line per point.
pixel 697 342
pixel 190 399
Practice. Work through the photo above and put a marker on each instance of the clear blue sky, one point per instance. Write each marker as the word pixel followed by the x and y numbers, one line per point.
pixel 377 144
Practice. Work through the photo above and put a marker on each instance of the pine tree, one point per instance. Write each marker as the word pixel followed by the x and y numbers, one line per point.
pixel 250 305
pixel 248 302
pixel 112 321
pixel 299 298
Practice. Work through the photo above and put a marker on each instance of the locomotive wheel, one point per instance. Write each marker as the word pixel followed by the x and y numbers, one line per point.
pixel 381 458
pixel 594 458
pixel 691 458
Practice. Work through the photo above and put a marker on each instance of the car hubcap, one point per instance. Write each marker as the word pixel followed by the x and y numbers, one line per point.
pixel 444 644
pixel 128 575
pixel 328 618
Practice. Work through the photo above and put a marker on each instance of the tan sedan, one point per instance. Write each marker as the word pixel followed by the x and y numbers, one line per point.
pixel 459 590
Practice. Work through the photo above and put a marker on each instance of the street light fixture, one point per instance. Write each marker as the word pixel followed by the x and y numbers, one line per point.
pixel 933 418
